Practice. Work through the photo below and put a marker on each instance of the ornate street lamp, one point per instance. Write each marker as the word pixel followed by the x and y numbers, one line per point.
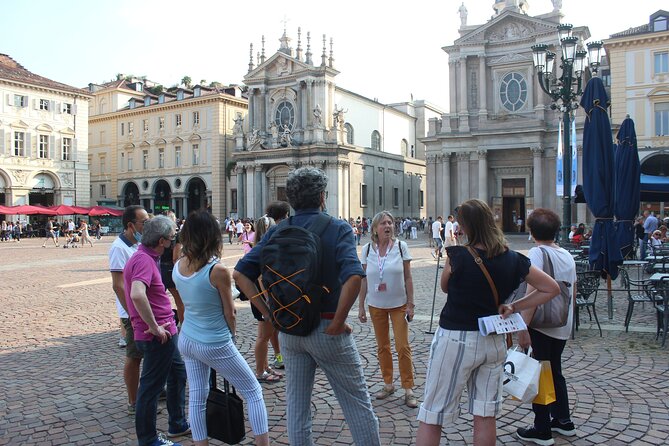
pixel 564 92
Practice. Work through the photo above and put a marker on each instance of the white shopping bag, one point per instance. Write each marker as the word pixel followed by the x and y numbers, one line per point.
pixel 521 376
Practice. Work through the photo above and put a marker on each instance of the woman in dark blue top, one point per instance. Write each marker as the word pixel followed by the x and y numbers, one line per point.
pixel 460 356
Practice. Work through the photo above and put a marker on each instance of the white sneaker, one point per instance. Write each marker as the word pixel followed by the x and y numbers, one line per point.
pixel 122 343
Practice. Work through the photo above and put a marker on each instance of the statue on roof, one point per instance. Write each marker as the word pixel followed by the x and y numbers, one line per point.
pixel 462 10
pixel 237 129
pixel 557 5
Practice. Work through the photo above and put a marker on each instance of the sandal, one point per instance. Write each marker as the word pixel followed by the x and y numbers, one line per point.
pixel 268 378
pixel 271 371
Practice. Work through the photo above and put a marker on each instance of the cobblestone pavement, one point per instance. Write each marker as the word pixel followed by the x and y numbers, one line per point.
pixel 61 383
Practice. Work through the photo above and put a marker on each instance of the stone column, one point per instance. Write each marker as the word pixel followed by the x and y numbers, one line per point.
pixel 483 106
pixel 464 112
pixel 430 185
pixel 346 166
pixel 251 192
pixel 483 176
pixel 445 202
pixel 332 200
pixel 252 106
pixel 310 103
pixel 463 176
pixel 300 109
pixel 537 176
pixel 241 197
pixel 265 110
pixel 259 191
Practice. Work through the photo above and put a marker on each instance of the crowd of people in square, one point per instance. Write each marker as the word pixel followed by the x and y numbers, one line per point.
pixel 156 256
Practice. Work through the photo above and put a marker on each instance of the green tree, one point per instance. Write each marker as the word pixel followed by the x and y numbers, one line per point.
pixel 186 80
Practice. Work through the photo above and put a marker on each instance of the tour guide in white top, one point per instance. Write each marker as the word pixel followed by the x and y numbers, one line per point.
pixel 330 346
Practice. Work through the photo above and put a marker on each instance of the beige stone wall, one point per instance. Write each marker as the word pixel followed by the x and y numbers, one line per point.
pixel 56 125
pixel 216 114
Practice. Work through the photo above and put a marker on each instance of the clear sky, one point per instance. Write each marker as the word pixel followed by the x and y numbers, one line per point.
pixel 383 49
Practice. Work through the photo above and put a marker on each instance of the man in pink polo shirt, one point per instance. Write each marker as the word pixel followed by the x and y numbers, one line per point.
pixel 155 332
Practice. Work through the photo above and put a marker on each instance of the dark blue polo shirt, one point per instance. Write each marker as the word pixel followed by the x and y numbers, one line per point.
pixel 340 258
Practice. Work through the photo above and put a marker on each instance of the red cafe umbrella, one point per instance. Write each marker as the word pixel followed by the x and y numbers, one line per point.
pixel 98 211
pixel 40 210
pixel 81 210
pixel 63 209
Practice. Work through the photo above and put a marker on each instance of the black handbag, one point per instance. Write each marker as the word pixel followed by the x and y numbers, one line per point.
pixel 225 413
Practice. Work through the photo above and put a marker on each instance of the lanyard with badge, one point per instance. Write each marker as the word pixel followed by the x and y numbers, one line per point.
pixel 381 286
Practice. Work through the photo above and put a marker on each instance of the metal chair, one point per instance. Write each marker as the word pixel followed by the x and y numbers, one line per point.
pixel 587 286
pixel 662 309
pixel 637 291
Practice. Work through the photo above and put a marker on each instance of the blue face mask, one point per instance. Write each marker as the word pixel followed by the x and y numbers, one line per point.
pixel 138 236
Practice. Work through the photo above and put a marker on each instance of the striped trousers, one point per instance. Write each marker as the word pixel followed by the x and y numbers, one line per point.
pixel 229 363
pixel 338 358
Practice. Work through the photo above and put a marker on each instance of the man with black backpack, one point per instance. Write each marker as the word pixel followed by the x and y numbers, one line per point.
pixel 311 275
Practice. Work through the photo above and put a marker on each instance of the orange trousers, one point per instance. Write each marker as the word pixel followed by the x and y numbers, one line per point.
pixel 380 320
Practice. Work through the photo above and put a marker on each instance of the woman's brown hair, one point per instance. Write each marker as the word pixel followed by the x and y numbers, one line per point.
pixel 477 221
pixel 201 238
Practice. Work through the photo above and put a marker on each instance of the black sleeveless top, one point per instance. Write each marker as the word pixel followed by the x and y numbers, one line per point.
pixel 469 294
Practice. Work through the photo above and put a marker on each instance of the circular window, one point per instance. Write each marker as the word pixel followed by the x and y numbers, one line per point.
pixel 285 115
pixel 177 183
pixel 145 185
pixel 513 91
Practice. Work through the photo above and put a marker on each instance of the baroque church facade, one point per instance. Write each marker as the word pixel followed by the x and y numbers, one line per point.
pixel 298 116
pixel 499 141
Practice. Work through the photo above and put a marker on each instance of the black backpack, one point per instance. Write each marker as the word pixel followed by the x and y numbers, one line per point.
pixel 290 265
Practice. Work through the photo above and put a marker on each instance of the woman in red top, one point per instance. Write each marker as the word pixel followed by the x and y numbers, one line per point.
pixel 578 236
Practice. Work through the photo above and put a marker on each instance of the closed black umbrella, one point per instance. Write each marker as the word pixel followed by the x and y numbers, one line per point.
pixel 628 186
pixel 598 178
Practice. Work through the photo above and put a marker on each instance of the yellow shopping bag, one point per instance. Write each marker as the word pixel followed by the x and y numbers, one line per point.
pixel 546 394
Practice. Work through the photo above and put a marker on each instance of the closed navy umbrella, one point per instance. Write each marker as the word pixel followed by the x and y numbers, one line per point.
pixel 598 178
pixel 628 186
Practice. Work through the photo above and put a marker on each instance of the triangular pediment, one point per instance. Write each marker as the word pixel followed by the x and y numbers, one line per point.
pixel 67 131
pixel 19 124
pixel 44 128
pixel 145 144
pixel 507 27
pixel 177 140
pixel 281 65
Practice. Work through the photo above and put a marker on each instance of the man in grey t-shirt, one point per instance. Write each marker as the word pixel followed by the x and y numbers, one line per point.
pixel 649 226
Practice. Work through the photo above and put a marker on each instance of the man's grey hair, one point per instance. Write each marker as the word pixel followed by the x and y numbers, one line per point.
pixel 155 228
pixel 304 187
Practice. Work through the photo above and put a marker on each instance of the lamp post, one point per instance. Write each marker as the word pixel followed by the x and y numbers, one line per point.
pixel 564 92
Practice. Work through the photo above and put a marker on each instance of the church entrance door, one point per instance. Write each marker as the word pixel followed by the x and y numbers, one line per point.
pixel 513 205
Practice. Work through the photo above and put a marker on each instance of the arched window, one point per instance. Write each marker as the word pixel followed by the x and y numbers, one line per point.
pixel 404 147
pixel 285 115
pixel 349 133
pixel 376 140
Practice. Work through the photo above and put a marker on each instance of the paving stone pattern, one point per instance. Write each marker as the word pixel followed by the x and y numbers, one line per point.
pixel 61 369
